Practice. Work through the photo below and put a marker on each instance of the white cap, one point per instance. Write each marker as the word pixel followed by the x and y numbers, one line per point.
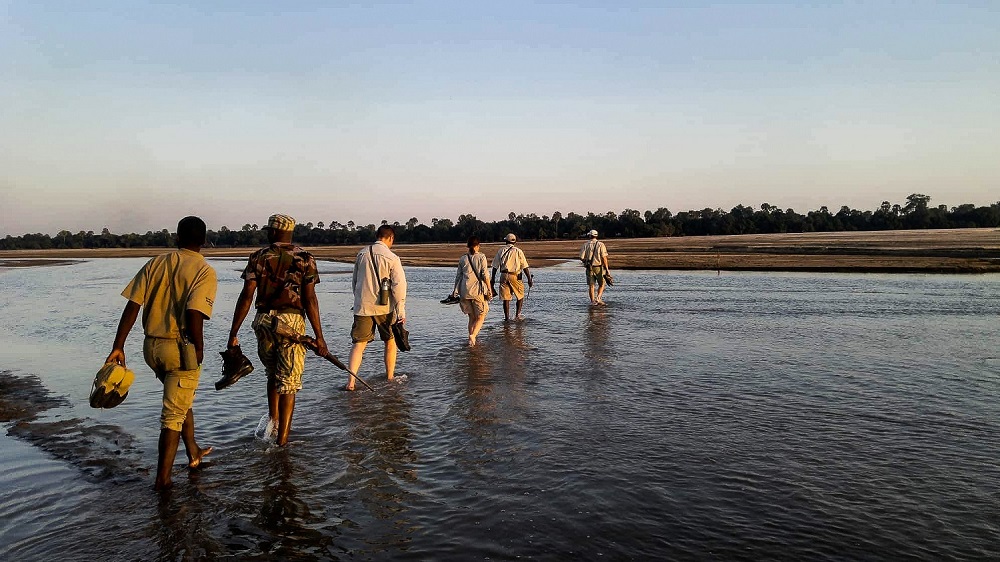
pixel 592 234
pixel 511 238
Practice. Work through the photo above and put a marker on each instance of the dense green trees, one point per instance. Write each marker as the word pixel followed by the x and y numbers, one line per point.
pixel 916 213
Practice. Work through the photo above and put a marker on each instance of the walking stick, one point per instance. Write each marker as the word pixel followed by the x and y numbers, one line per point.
pixel 284 330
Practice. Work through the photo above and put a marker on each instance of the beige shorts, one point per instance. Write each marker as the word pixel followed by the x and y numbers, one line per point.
pixel 511 286
pixel 474 307
pixel 284 360
pixel 164 357
pixel 595 275
pixel 363 329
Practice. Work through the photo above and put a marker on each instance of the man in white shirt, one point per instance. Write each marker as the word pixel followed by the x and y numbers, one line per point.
pixel 379 300
pixel 511 262
pixel 594 256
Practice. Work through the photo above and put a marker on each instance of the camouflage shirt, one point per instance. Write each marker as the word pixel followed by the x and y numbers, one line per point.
pixel 280 270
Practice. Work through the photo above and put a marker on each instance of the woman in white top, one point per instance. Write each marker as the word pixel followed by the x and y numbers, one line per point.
pixel 472 286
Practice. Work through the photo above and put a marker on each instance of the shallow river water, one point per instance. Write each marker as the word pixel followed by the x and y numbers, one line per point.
pixel 697 416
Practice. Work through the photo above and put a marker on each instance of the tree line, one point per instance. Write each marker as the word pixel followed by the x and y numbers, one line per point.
pixel 915 213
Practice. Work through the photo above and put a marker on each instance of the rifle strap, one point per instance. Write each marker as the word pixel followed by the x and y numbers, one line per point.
pixel 285 260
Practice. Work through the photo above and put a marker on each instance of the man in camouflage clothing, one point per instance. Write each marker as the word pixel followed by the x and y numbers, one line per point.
pixel 284 277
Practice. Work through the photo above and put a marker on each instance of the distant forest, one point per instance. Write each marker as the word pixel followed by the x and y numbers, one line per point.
pixel 915 213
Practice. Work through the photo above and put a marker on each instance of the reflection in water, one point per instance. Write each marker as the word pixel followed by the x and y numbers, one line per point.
pixel 183 529
pixel 284 526
pixel 381 463
pixel 282 514
pixel 513 354
pixel 478 387
pixel 597 347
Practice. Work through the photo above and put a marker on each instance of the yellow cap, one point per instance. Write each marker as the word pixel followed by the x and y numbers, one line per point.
pixel 281 222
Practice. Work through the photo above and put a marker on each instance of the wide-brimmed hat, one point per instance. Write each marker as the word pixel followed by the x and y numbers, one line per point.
pixel 592 234
pixel 110 386
pixel 281 222
pixel 510 238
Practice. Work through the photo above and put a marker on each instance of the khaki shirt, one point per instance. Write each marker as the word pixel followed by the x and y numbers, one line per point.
pixel 167 286
pixel 510 259
pixel 594 250
pixel 472 279
pixel 366 286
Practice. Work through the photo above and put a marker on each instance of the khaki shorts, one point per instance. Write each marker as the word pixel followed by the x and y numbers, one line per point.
pixel 284 360
pixel 363 329
pixel 510 286
pixel 163 355
pixel 474 307
pixel 595 275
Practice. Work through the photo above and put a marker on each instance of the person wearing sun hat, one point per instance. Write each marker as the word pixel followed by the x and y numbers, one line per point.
pixel 284 278
pixel 594 256
pixel 510 261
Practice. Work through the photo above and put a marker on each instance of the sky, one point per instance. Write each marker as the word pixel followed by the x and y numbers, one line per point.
pixel 130 115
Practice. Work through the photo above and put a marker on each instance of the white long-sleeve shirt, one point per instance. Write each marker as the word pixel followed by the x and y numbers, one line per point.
pixel 366 284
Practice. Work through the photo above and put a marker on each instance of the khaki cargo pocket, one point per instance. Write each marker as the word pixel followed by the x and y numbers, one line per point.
pixel 187 383
pixel 186 388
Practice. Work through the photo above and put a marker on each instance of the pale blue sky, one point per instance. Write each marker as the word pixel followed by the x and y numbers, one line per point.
pixel 130 115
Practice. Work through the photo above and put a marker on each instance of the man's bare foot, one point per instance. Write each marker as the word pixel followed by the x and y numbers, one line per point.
pixel 162 486
pixel 202 453
pixel 347 388
pixel 389 377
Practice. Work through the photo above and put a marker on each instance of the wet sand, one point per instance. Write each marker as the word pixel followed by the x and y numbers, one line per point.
pixel 902 251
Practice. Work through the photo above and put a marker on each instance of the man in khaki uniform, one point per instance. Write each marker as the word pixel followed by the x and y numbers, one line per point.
pixel 176 292
pixel 284 276
pixel 594 256
pixel 510 261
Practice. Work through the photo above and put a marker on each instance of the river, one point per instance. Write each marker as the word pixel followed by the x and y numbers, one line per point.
pixel 697 416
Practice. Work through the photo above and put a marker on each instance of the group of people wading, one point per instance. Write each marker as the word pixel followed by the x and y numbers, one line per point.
pixel 176 293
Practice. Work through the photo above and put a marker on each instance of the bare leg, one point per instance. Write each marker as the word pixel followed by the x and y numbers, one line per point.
pixel 590 291
pixel 506 310
pixel 167 450
pixel 286 405
pixel 272 401
pixel 354 362
pixel 600 293
pixel 475 324
pixel 520 303
pixel 194 453
pixel 390 358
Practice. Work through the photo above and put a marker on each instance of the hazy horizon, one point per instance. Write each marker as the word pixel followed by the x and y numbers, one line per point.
pixel 131 115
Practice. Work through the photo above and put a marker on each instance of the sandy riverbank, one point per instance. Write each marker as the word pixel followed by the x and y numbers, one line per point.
pixel 939 251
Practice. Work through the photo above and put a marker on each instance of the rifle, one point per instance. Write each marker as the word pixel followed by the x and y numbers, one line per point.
pixel 282 329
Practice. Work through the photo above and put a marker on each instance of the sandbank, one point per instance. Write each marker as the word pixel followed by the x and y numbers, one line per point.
pixel 973 250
